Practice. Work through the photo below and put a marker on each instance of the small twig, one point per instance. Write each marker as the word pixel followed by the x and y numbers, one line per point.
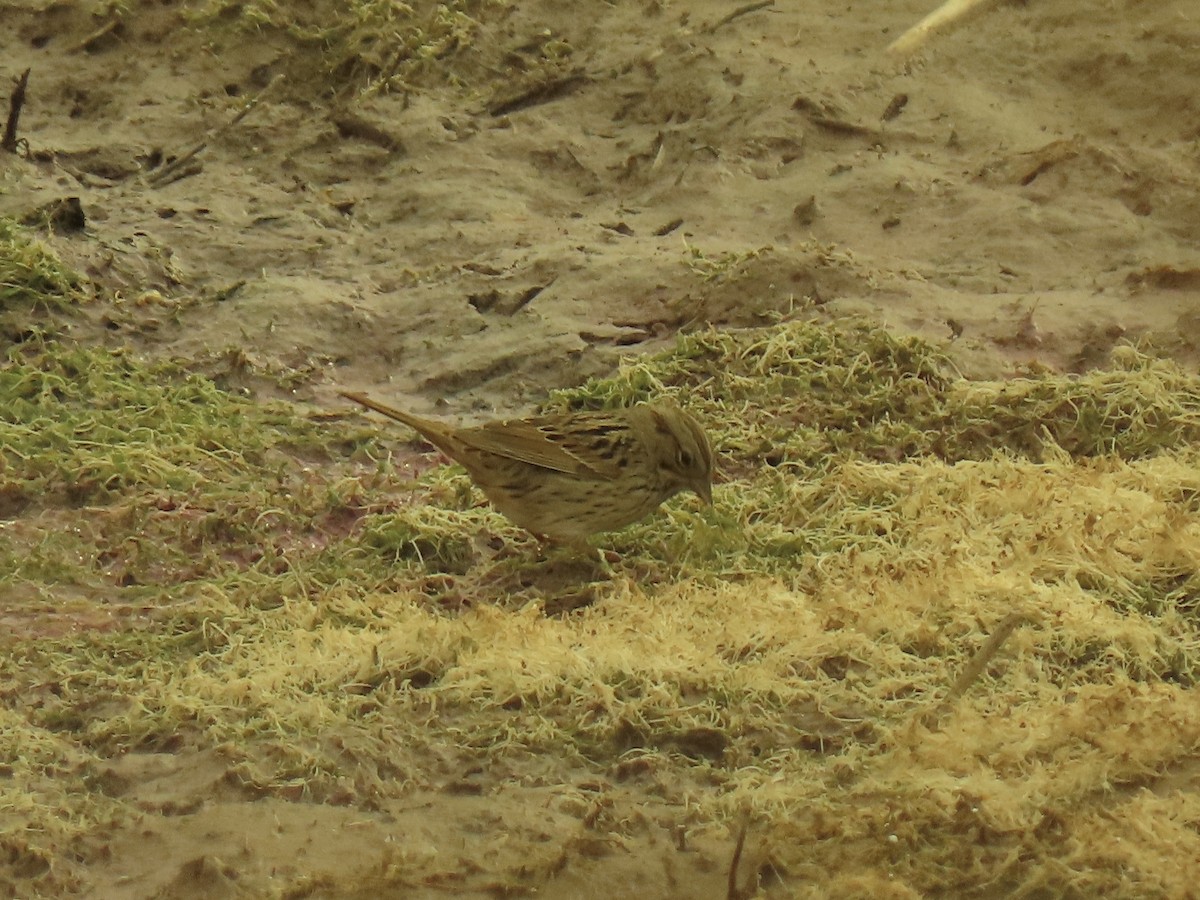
pixel 92 39
pixel 539 93
pixel 841 126
pixel 984 655
pixel 738 13
pixel 945 15
pixel 976 664
pixel 352 125
pixel 15 102
pixel 894 108
pixel 831 119
pixel 732 891
pixel 182 166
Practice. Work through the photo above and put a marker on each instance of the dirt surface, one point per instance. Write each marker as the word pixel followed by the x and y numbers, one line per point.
pixel 1034 198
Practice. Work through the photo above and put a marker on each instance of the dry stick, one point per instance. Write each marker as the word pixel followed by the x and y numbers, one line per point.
pixel 562 85
pixel 88 42
pixel 537 94
pixel 738 13
pixel 351 125
pixel 975 666
pixel 171 171
pixel 15 102
pixel 732 892
pixel 946 14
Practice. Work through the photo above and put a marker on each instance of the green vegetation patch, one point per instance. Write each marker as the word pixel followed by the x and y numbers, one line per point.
pixel 35 287
pixel 808 396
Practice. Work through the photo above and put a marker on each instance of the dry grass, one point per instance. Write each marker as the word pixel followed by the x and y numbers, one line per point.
pixel 186 570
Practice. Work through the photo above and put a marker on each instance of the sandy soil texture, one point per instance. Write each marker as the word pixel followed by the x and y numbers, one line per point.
pixel 1026 188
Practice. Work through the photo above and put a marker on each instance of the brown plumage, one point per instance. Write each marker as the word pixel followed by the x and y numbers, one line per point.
pixel 572 475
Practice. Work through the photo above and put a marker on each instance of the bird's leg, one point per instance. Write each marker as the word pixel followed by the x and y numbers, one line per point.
pixel 580 547
pixel 606 558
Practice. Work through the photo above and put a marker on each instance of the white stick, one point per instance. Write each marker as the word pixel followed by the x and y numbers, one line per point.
pixel 946 14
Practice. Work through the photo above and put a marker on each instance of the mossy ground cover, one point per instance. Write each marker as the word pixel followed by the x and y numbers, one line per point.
pixel 189 570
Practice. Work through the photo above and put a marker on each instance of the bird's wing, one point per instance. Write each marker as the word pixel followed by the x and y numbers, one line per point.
pixel 580 448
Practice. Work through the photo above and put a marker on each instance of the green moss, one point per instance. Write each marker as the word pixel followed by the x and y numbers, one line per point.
pixel 36 289
pixel 807 396
pixel 83 425
pixel 31 275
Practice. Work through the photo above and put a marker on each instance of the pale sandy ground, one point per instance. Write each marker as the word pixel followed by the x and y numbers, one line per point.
pixel 1036 196
pixel 1035 201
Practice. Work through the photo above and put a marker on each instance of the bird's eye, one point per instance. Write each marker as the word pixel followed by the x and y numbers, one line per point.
pixel 684 459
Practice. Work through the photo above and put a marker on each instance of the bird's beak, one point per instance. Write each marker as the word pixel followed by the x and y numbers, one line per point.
pixel 703 490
